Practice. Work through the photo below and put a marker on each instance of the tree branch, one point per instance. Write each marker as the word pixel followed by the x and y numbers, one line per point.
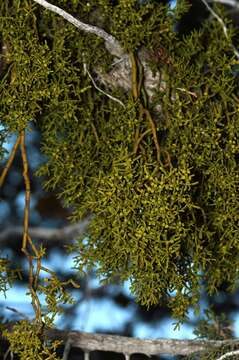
pixel 233 3
pixel 65 233
pixel 112 45
pixel 100 90
pixel 221 22
pixel 127 345
pixel 120 74
pixel 121 71
pixel 228 354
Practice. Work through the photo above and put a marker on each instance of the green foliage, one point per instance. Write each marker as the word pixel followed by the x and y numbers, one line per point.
pixel 164 225
pixel 55 295
pixel 26 67
pixel 213 327
pixel 34 347
pixel 8 275
pixel 131 23
pixel 214 354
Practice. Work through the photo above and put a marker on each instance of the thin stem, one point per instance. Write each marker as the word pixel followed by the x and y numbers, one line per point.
pixel 229 354
pixel 95 132
pixel 67 350
pixel 154 132
pixel 221 22
pixel 86 355
pixel 139 139
pixel 27 191
pixel 26 238
pixel 102 91
pixel 112 43
pixel 233 3
pixel 10 160
pixel 136 91
pixel 134 76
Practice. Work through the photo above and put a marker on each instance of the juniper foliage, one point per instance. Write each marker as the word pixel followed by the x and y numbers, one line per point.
pixel 167 224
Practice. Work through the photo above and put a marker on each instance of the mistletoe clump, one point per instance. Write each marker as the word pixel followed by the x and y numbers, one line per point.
pixel 160 176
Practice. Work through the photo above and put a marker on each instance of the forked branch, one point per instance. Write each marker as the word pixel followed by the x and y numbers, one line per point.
pixel 111 43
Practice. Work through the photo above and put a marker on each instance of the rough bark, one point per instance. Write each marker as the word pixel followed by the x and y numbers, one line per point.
pixel 127 345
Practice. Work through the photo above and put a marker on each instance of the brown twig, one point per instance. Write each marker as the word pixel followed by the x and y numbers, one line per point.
pixel 33 278
pixel 143 111
pixel 10 160
pixel 139 139
pixel 27 193
pixel 135 91
pixel 154 132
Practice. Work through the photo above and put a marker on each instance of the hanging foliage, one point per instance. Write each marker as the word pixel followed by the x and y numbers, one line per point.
pixel 160 174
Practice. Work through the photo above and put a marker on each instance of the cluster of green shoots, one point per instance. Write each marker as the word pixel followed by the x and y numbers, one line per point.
pixel 161 184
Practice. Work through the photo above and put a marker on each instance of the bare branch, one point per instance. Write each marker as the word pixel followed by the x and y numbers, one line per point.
pixel 228 354
pixel 7 353
pixel 120 75
pixel 21 314
pixel 216 16
pixel 66 233
pixel 9 162
pixel 112 44
pixel 100 90
pixel 126 345
pixel 67 350
pixel 86 355
pixel 233 3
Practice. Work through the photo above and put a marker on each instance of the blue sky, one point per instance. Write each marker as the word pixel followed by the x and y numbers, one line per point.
pixel 102 313
pixel 93 314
